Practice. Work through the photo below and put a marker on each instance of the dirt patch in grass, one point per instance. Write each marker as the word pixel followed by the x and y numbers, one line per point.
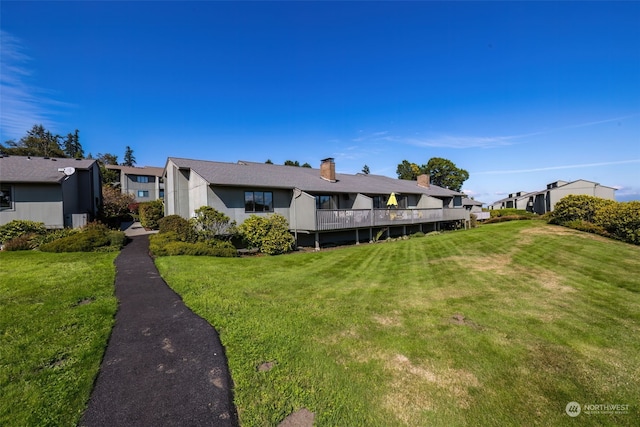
pixel 494 263
pixel 552 282
pixel 388 321
pixel 411 384
pixel 460 319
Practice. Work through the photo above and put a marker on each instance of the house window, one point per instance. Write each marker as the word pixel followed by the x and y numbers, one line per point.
pixel 378 202
pixel 143 193
pixel 325 202
pixel 143 179
pixel 258 201
pixel 6 199
pixel 161 193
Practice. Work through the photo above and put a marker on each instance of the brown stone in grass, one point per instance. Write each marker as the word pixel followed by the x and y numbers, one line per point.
pixel 300 418
pixel 266 366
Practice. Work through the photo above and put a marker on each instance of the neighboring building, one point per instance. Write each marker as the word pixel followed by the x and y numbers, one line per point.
pixel 471 205
pixel 519 200
pixel 318 203
pixel 475 207
pixel 544 201
pixel 145 183
pixel 58 192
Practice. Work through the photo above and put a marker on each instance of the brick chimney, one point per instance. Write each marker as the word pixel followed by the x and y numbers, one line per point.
pixel 423 181
pixel 328 169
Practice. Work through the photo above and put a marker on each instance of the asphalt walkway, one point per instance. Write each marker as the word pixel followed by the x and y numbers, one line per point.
pixel 164 365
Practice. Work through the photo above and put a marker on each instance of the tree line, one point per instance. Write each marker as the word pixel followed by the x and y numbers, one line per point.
pixel 40 142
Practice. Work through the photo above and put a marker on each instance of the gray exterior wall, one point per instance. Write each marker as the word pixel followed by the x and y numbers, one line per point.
pixel 36 202
pixel 363 202
pixel 230 200
pixel 427 202
pixel 56 204
pixel 130 185
pixel 303 211
pixel 579 187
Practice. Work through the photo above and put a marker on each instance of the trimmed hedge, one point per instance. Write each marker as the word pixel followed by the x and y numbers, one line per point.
pixel 169 244
pixel 150 213
pixel 270 235
pixel 496 213
pixel 506 218
pixel 577 208
pixel 178 225
pixel 94 237
pixel 19 227
pixel 619 220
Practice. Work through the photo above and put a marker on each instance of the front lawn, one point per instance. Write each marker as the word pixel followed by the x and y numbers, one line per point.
pixel 56 314
pixel 501 325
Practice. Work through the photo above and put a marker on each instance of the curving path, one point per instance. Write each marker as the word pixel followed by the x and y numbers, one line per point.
pixel 164 365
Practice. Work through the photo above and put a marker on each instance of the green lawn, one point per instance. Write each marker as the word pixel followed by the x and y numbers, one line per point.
pixel 56 313
pixel 500 325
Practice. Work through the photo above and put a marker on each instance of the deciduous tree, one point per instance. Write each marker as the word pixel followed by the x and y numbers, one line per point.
pixel 445 173
pixel 409 171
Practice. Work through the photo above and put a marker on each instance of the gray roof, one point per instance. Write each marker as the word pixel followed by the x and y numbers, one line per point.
pixel 470 202
pixel 29 169
pixel 263 175
pixel 135 170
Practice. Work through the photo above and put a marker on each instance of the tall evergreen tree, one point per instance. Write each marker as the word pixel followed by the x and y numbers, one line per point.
pixel 72 146
pixel 129 159
pixel 37 142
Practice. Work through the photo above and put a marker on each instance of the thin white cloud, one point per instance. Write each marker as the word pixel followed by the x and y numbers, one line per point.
pixel 462 141
pixel 22 103
pixel 458 141
pixel 374 136
pixel 549 168
pixel 582 125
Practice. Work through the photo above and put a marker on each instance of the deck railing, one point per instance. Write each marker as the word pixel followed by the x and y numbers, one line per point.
pixel 338 219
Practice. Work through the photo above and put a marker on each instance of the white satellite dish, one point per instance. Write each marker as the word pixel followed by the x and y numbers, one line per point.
pixel 68 171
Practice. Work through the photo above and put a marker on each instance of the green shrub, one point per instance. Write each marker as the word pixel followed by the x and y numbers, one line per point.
pixel 496 213
pixel 211 224
pixel 253 230
pixel 168 244
pixel 577 208
pixel 507 218
pixel 418 234
pixel 158 242
pixel 23 242
pixel 270 235
pixel 473 220
pixel 587 227
pixel 19 227
pixel 199 249
pixel 117 239
pixel 150 213
pixel 52 235
pixel 621 220
pixel 178 225
pixel 85 241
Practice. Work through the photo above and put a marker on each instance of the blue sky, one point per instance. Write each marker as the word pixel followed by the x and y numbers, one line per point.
pixel 520 94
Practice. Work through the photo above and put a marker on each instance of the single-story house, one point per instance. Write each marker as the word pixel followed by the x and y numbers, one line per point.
pixel 56 191
pixel 319 204
pixel 544 201
pixel 144 183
